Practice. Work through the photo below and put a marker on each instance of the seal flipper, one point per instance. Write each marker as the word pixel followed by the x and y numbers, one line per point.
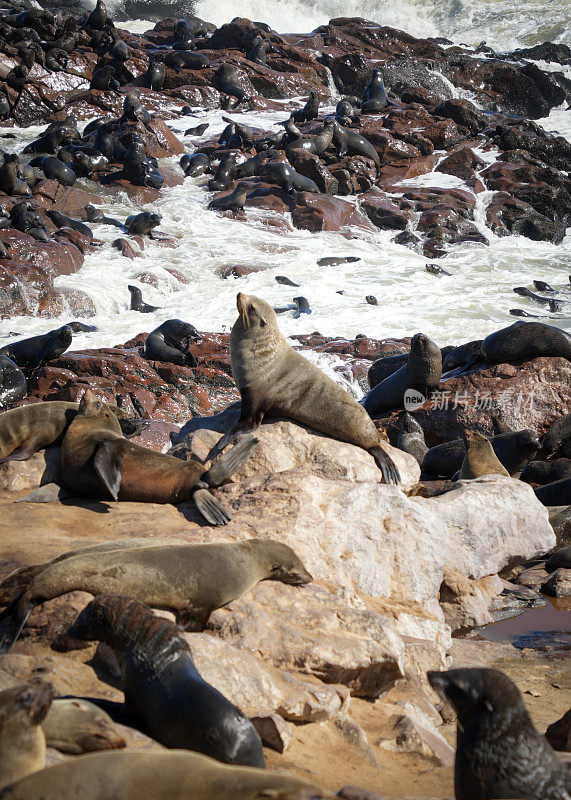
pixel 388 468
pixel 26 451
pixel 212 511
pixel 107 462
pixel 226 465
pixel 48 493
pixel 12 620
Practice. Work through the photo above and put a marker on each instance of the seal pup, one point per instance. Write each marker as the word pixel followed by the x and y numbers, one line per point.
pixel 224 174
pixel 190 579
pixel 13 385
pixel 137 302
pixel 524 341
pixel 165 695
pixel 173 774
pixel 375 95
pixel 310 109
pixel 411 438
pixel 142 224
pixel 170 341
pixel 499 752
pixel 32 353
pixel 234 201
pixel 97 461
pixel 513 449
pixel 334 261
pixel 77 726
pixel 276 381
pixel 480 458
pixel 465 356
pixel 435 269
pixel 22 742
pixel 61 221
pixel 282 174
pixel 422 372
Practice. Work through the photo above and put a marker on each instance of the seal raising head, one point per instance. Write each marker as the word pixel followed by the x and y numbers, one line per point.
pixel 276 381
pixel 499 753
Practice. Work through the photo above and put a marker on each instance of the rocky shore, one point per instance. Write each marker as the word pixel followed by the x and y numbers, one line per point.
pixel 332 674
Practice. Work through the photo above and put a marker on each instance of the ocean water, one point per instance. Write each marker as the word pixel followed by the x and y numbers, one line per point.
pixel 472 302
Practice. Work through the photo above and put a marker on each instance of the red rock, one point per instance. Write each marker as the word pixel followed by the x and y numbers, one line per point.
pixel 324 213
pixel 384 213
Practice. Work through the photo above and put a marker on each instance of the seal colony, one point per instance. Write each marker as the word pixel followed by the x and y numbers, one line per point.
pixel 304 168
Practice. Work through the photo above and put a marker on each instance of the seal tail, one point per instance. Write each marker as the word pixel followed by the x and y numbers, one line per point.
pixel 226 465
pixel 384 462
pixel 12 620
pixel 212 511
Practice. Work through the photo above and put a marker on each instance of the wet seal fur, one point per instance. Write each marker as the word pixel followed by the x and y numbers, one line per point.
pixel 276 381
pixel 29 354
pixel 524 341
pixel 166 343
pixel 499 752
pixel 421 372
pixel 22 742
pixel 411 437
pixel 164 692
pixel 137 302
pixel 480 458
pixel 98 462
pixel 191 579
pixel 174 774
pixel 13 385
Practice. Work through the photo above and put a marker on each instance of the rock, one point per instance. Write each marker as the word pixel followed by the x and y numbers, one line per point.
pixel 356 736
pixel 409 737
pixel 506 214
pixel 558 733
pixel 465 602
pixel 385 214
pixel 317 212
pixel 558 584
pixel 316 634
pixel 560 519
pixel 461 163
pixel 464 113
pixel 274 732
pixel 308 164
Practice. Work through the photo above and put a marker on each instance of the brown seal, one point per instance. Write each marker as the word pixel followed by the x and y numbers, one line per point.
pixel 172 774
pixel 22 742
pixel 98 462
pixel 77 726
pixel 276 381
pixel 27 429
pixel 192 579
pixel 480 458
pixel 165 695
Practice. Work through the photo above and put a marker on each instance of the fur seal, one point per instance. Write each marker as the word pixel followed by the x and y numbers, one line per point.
pixel 29 354
pixel 543 472
pixel 165 695
pixel 61 221
pixel 55 170
pixel 197 130
pixel 27 429
pixel 104 79
pixel 77 726
pixel 421 372
pixel 185 59
pixel 11 180
pixel 155 75
pixel 350 142
pixel 93 214
pixel 524 341
pixel 435 269
pixel 169 342
pixel 97 462
pixel 194 165
pixel 542 286
pixel 411 437
pixel 317 144
pixel 557 493
pixel 375 95
pixel 137 302
pixel 224 174
pixel 556 441
pixel 253 166
pixel 258 51
pixel 274 380
pixel 310 109
pixel 554 305
pixel 190 579
pixel 513 449
pixel 174 774
pixel 463 356
pixel 225 80
pixel 13 385
pixel 333 261
pixel 234 201
pixel 284 281
pixel 22 742
pixel 499 753
pixel 143 223
pixel 480 458
pixel 280 173
pixel 560 559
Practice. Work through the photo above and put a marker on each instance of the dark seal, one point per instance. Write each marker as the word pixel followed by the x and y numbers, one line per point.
pixel 524 341
pixel 13 386
pixel 499 752
pixel 169 342
pixel 29 354
pixel 165 694
pixel 137 302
